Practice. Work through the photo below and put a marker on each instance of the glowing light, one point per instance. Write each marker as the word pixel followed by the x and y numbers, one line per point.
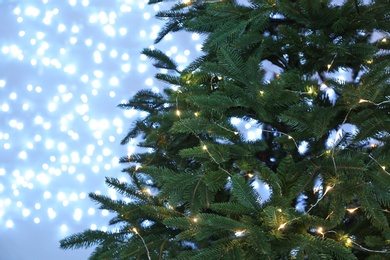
pixel 195 36
pixel 122 31
pixel 88 42
pixel 73 40
pixel 70 69
pixel 282 226
pixel 64 227
pixel 141 68
pixel 97 57
pixel 125 67
pixel 9 224
pixel 26 212
pixel 352 210
pixel 91 211
pixel 80 177
pixel 51 213
pixel 101 46
pixel 5 107
pixel 109 30
pixel 43 178
pixel 239 233
pixel 61 27
pixel 23 155
pixel 113 53
pixel 49 144
pixel 77 215
pixel 114 81
pixel 31 11
pixel 328 188
pixel 47 195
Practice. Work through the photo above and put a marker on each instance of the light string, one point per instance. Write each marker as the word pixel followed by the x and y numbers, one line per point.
pixel 283 225
pixel 376 161
pixel 350 241
pixel 135 231
pixel 204 146
pixel 328 188
pixel 371 102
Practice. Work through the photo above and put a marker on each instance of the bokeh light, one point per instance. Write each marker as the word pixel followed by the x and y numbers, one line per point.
pixel 65 66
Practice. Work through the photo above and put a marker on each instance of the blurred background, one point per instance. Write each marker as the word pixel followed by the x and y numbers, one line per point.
pixel 64 67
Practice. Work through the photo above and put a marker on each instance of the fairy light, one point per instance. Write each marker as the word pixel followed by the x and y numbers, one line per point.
pixel 282 226
pixel 320 230
pixel 239 233
pixel 327 189
pixel 195 220
pixel 204 147
pixel 311 91
pixel 282 133
pixel 382 166
pixel 178 113
pixel 384 40
pixel 352 210
pixel 135 231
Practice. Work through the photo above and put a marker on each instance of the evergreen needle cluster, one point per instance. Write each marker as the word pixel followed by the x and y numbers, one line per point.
pixel 323 150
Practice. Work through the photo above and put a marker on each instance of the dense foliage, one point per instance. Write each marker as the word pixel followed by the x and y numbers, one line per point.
pixel 323 150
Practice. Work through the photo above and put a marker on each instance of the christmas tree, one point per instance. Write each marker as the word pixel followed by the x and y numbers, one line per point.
pixel 322 149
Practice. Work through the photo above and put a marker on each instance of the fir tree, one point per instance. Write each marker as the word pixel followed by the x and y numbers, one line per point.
pixel 324 149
